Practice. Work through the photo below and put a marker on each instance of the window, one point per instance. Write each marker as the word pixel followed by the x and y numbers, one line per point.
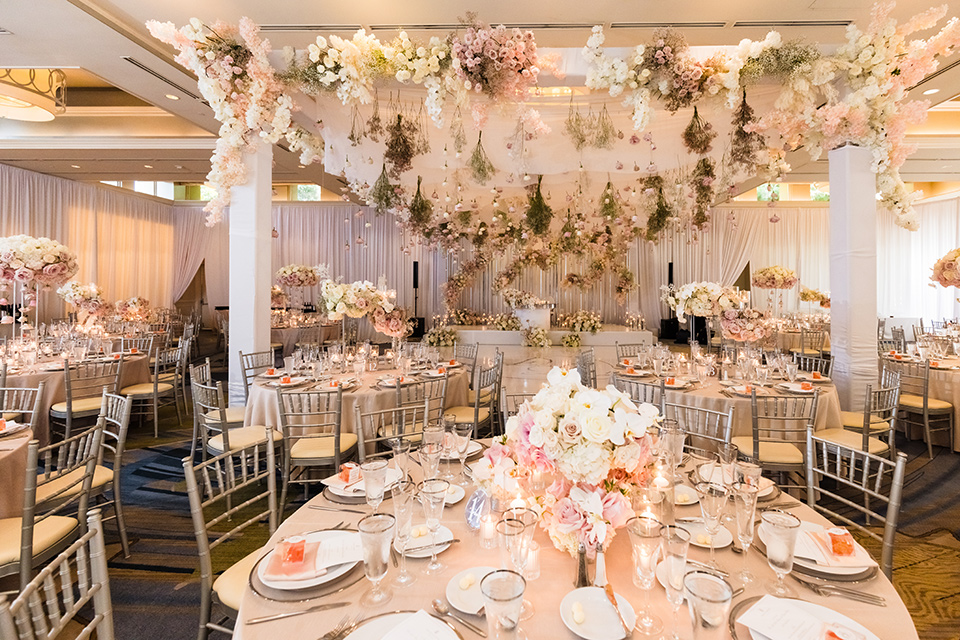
pixel 820 192
pixel 308 192
pixel 768 192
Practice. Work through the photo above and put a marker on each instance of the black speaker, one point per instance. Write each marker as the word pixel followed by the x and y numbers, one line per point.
pixel 419 327
pixel 669 273
pixel 416 274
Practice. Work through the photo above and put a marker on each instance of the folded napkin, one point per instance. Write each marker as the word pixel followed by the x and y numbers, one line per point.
pixel 419 626
pixel 814 546
pixel 298 558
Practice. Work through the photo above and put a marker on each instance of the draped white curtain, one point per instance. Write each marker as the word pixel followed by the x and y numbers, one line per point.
pixel 124 242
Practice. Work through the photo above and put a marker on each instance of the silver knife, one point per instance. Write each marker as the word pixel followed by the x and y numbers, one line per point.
pixel 289 614
pixel 424 547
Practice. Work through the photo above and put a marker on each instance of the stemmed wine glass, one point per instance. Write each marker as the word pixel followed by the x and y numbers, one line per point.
pixel 674 543
pixel 374 481
pixel 780 529
pixel 514 548
pixel 433 495
pixel 645 539
pixel 713 497
pixel 403 494
pixel 745 496
pixel 463 433
pixel 401 455
pixel 376 536
pixel 430 460
pixel 449 444
pixel 727 453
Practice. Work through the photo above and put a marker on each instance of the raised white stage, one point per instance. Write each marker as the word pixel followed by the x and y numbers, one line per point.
pixel 606 337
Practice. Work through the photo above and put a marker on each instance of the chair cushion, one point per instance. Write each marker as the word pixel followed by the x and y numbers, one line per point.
pixel 80 405
pixel 145 389
pixel 465 414
pixel 101 477
pixel 806 352
pixel 47 533
pixel 240 438
pixel 11 416
pixel 773 452
pixel 166 377
pixel 854 420
pixel 313 448
pixel 234 414
pixel 230 585
pixel 912 401
pixel 853 440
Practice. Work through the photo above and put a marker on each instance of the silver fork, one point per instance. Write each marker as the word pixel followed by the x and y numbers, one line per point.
pixel 337 633
pixel 337 629
pixel 827 590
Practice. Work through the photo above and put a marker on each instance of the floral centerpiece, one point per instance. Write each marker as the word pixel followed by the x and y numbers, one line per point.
pixel 571 340
pixel 278 298
pixel 135 308
pixel 298 275
pixel 596 445
pixel 87 298
pixel 946 270
pixel 744 325
pixel 699 299
pixel 395 323
pixel 506 322
pixel 581 321
pixel 775 277
pixel 35 261
pixel 354 300
pixel 442 336
pixel 810 295
pixel 518 299
pixel 535 337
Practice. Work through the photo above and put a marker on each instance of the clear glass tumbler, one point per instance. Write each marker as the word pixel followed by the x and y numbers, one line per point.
pixel 502 593
pixel 376 536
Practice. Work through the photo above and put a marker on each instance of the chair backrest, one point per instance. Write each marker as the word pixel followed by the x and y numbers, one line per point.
pixel 898 334
pixel 487 390
pixel 861 483
pixel 510 403
pixel 814 363
pixel 309 334
pixel 433 390
pixel 885 346
pixel 142 343
pixel 57 483
pixel 628 350
pixel 210 411
pixel 253 364
pixel 706 429
pixel 167 361
pixel 22 400
pixel 914 378
pixel 881 328
pixel 50 601
pixel 229 487
pixel 201 372
pixel 3 372
pixel 650 392
pixel 811 340
pixel 466 353
pixel 115 413
pixel 311 415
pixel 880 406
pixel 587 367
pixel 88 379
pixel 377 429
pixel 781 419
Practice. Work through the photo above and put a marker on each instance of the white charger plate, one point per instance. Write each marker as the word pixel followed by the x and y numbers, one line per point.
pixel 375 627
pixel 794 387
pixel 808 377
pixel 468 600
pixel 14 428
pixel 600 619
pixel 357 491
pixel 810 564
pixel 332 573
pixel 472 449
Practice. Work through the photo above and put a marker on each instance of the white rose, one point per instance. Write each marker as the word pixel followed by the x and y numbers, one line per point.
pixel 595 426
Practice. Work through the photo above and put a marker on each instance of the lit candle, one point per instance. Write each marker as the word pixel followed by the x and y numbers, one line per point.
pixel 518 502
pixel 532 570
pixel 488 532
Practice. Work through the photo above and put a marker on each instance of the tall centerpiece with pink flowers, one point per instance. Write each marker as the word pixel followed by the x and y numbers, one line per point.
pixel 946 270
pixel 776 280
pixel 27 264
pixel 744 325
pixel 86 298
pixel 594 445
pixel 295 277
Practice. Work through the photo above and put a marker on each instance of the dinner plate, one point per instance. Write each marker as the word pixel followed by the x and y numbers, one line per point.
pixel 741 390
pixel 679 383
pixel 697 529
pixel 600 619
pixel 376 627
pixel 809 566
pixel 332 573
pixel 692 497
pixel 662 573
pixel 453 364
pixel 472 449
pixel 468 600
pixel 443 535
pixel 391 382
pixel 794 387
pixel 637 373
pixel 13 428
pixel 820 612
pixel 294 382
pixel 766 484
pixel 393 477
pixel 455 493
pixel 432 373
pixel 278 374
pixel 806 377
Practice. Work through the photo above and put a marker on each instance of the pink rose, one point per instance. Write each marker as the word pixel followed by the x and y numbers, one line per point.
pixel 23 275
pixel 569 518
pixel 616 509
pixel 559 488
pixel 496 452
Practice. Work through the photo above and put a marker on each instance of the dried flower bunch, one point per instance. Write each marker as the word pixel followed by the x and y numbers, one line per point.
pixel 699 134
pixel 481 169
pixel 539 213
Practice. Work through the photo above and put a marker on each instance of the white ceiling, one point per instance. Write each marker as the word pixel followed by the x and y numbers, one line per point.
pixel 108 41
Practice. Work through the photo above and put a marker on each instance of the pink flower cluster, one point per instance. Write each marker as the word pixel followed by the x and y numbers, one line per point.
pixel 572 516
pixel 946 271
pixel 496 61
pixel 35 261
pixel 744 325
pixel 395 324
pixel 775 277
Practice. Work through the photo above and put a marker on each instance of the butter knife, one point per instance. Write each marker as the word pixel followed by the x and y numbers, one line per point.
pixel 289 614
pixel 608 589
pixel 424 547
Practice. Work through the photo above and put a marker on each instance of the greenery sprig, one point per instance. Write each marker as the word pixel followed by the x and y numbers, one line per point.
pixel 401 146
pixel 745 143
pixel 480 166
pixel 421 210
pixel 539 213
pixel 702 182
pixel 610 207
pixel 383 195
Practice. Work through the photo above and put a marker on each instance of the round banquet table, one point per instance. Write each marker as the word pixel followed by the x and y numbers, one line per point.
pixel 787 340
pixel 944 385
pixel 289 336
pixel 13 467
pixel 558 571
pixel 135 370
pixel 710 396
pixel 263 407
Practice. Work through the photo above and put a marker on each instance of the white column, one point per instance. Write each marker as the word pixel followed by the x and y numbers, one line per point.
pixel 853 273
pixel 250 264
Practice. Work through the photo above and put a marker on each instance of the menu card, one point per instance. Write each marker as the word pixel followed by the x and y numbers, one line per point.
pixel 419 626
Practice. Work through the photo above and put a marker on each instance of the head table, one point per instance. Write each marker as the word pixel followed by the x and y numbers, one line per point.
pixel 558 571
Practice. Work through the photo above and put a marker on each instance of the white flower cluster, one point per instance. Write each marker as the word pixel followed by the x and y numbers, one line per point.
pixel 348 64
pixel 518 299
pixel 705 299
pixel 86 296
pixel 535 337
pixel 354 300
pixel 297 275
pixel 441 337
pixel 589 321
pixel 729 78
pixel 618 75
pixel 774 277
pixel 35 261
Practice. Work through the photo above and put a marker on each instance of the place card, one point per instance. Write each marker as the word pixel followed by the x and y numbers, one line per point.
pixel 339 550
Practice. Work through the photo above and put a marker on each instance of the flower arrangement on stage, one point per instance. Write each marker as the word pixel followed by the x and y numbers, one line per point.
pixel 466 317
pixel 298 275
pixel 946 270
pixel 535 337
pixel 571 340
pixel 699 299
pixel 517 299
pixel 85 297
pixel 278 299
pixel 594 443
pixel 775 277
pixel 35 261
pixel 744 325
pixel 810 295
pixel 582 321
pixel 442 336
pixel 506 322
pixel 135 308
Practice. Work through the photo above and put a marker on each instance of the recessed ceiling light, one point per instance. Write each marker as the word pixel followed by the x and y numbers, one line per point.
pixel 930 92
pixel 170 96
pixel 75 166
pixel 303 166
pixel 148 166
pixel 179 166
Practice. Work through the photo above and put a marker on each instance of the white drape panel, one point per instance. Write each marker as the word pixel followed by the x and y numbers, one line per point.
pixel 190 246
pixel 125 242
pixel 905 260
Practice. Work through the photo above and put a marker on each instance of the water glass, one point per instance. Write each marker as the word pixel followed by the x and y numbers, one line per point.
pixel 463 432
pixel 502 593
pixel 745 498
pixel 430 460
pixel 657 366
pixel 433 495
pixel 748 470
pixel 401 454
pixel 449 444
pixel 404 494
pixel 780 530
pixel 515 531
pixel 791 370
pixel 763 375
pixel 376 536
pixel 674 544
pixel 645 540
pixel 374 481
pixel 433 434
pixel 709 597
pixel 713 497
